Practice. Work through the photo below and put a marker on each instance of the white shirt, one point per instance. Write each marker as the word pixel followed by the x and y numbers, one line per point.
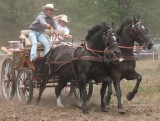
pixel 64 28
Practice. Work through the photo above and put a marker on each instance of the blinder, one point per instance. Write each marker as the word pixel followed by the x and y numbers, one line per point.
pixel 107 35
pixel 136 28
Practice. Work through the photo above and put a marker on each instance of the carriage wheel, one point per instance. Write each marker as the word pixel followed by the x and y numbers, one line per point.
pixel 67 91
pixel 8 79
pixel 24 86
pixel 89 91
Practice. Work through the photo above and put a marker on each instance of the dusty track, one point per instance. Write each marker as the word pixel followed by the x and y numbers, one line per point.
pixel 144 107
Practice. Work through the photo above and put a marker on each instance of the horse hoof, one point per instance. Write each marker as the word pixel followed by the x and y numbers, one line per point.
pixel 121 110
pixel 105 109
pixel 85 112
pixel 37 102
pixel 130 96
pixel 60 106
pixel 79 105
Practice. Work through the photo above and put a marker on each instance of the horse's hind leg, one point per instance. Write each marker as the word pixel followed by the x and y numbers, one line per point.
pixel 131 95
pixel 43 83
pixel 61 84
pixel 41 89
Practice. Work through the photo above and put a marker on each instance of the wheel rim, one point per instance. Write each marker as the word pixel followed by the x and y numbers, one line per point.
pixel 23 88
pixel 7 76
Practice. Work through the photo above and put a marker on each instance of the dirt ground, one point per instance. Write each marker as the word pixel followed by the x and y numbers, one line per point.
pixel 144 107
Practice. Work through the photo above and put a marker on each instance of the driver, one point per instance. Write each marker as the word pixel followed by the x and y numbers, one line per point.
pixel 43 21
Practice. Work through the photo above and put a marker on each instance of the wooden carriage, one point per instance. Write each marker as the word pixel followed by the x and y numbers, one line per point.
pixel 17 70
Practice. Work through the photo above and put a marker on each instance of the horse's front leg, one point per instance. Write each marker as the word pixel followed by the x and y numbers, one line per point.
pixel 105 83
pixel 103 92
pixel 109 93
pixel 131 95
pixel 116 83
pixel 83 92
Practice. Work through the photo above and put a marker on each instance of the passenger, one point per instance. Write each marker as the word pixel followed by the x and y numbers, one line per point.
pixel 61 23
pixel 43 21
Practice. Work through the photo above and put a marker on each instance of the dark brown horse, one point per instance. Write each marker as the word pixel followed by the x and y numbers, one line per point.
pixel 130 32
pixel 82 64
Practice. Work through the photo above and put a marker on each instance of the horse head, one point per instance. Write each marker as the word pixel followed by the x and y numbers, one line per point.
pixel 105 36
pixel 140 33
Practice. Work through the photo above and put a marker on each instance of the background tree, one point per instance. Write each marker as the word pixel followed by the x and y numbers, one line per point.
pixel 16 15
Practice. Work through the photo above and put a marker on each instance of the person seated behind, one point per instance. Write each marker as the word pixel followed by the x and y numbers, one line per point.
pixel 43 21
pixel 61 23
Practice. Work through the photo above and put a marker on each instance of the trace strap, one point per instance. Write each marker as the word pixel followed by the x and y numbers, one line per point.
pixel 125 47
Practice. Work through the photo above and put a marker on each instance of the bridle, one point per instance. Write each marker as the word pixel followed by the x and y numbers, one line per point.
pixel 134 29
pixel 105 38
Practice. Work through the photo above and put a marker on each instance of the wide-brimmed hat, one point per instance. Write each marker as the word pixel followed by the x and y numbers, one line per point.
pixel 50 6
pixel 64 18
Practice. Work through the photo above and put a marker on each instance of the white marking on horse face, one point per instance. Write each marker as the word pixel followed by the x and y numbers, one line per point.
pixel 59 103
pixel 114 38
pixel 143 27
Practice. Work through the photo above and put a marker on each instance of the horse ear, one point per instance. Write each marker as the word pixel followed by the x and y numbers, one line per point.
pixel 113 25
pixel 138 17
pixel 134 18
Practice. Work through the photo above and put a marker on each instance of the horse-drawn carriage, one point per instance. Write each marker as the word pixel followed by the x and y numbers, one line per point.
pixel 85 63
pixel 18 72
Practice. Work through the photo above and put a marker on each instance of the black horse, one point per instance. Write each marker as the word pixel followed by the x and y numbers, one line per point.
pixel 82 64
pixel 130 32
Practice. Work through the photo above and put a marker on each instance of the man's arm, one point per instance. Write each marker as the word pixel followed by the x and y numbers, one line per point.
pixel 43 22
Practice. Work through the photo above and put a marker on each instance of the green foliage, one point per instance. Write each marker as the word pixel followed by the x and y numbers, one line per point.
pixel 16 15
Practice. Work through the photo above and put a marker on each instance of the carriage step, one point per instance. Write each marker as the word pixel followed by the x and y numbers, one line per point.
pixel 52 81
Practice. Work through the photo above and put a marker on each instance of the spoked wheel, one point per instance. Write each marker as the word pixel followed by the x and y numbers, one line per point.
pixel 89 88
pixel 8 79
pixel 24 86
pixel 67 91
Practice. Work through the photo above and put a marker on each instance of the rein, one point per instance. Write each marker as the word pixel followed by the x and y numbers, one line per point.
pixel 84 58
pixel 126 47
pixel 128 58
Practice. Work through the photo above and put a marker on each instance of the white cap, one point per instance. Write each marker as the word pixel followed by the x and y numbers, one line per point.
pixel 64 18
pixel 50 6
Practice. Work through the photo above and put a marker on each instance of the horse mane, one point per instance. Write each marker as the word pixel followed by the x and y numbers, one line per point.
pixel 119 31
pixel 96 28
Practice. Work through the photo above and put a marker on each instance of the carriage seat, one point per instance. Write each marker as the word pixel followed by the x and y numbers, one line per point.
pixel 28 44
